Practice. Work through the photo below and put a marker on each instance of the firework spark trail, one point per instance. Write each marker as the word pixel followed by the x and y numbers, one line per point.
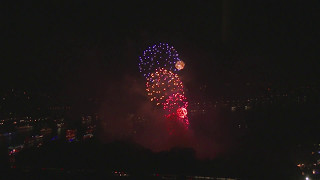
pixel 164 88
pixel 158 56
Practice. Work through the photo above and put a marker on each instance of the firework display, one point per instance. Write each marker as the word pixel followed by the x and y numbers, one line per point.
pixel 158 56
pixel 176 106
pixel 182 112
pixel 158 65
pixel 182 115
pixel 180 65
pixel 161 84
pixel 174 102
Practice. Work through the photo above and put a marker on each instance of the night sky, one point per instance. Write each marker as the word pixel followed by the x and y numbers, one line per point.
pixel 75 46
pixel 85 55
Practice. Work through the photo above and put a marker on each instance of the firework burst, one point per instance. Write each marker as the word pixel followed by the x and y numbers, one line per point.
pixel 160 55
pixel 161 84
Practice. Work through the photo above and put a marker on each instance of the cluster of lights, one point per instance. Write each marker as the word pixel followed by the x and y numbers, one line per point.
pixel 179 65
pixel 182 115
pixel 161 84
pixel 159 64
pixel 174 102
pixel 182 112
pixel 160 55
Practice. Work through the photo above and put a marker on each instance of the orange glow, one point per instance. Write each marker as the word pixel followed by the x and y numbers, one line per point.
pixel 180 65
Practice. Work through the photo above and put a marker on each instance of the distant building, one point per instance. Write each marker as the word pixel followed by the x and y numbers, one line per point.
pixel 71 135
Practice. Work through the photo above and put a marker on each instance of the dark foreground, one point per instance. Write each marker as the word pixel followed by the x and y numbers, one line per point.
pixel 123 160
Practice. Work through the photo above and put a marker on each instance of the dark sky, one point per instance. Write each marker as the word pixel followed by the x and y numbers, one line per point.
pixel 66 45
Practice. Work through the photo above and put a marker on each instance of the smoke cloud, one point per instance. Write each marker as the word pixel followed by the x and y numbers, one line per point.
pixel 127 114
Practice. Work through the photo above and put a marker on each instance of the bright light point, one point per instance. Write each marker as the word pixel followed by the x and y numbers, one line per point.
pixel 180 65
pixel 307 178
pixel 161 88
pixel 159 55
pixel 182 112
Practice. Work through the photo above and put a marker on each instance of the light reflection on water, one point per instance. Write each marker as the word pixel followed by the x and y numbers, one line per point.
pixel 19 136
